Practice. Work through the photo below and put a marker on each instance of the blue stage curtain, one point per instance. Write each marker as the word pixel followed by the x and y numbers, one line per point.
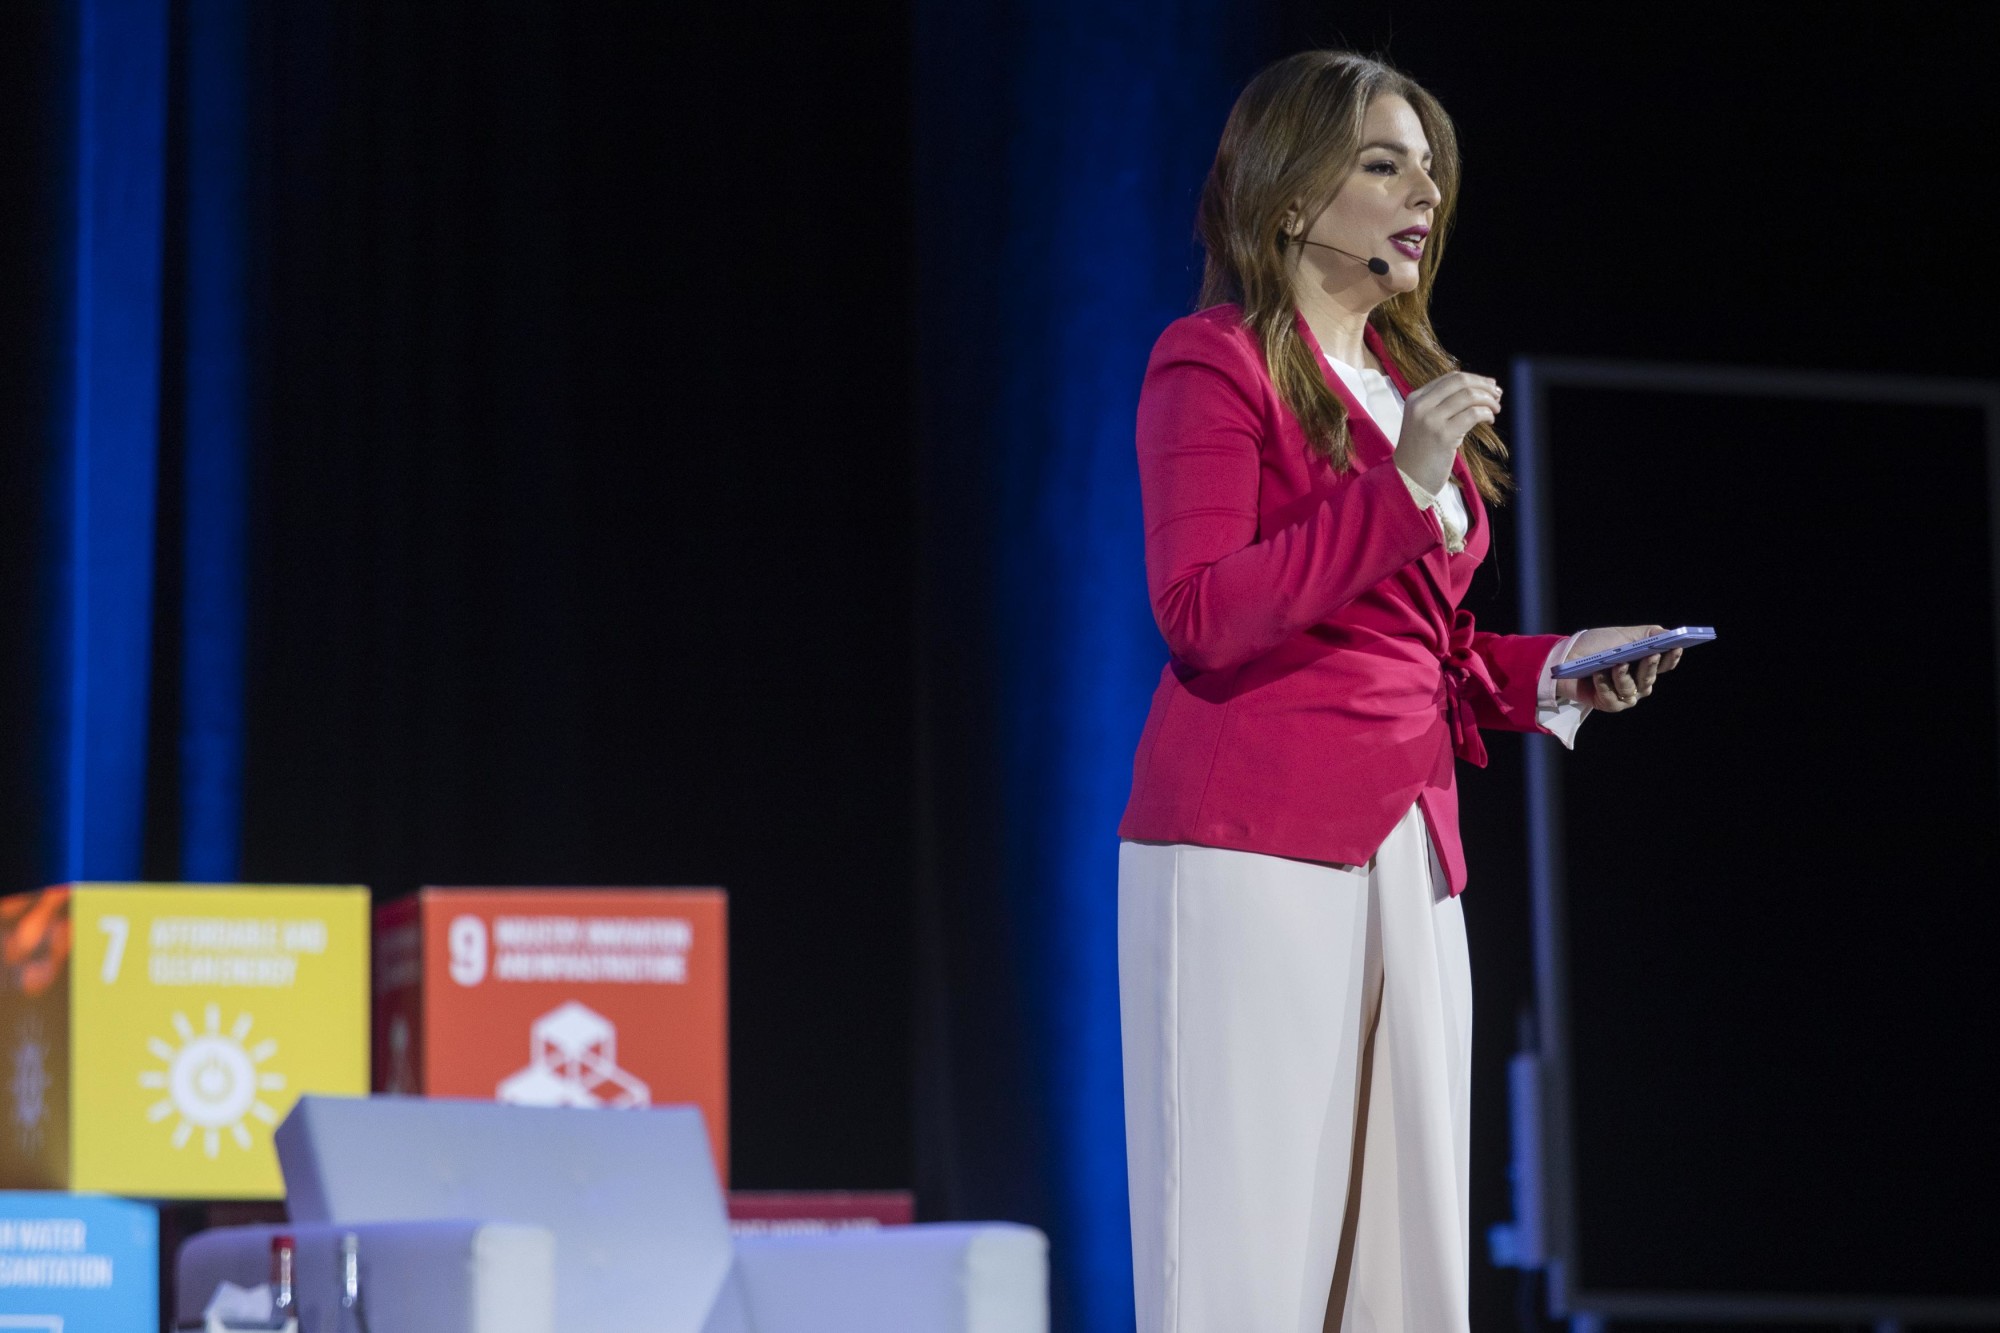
pixel 102 483
pixel 148 157
pixel 1060 152
pixel 215 441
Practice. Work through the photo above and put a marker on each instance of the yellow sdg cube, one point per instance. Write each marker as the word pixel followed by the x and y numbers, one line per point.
pixel 152 1035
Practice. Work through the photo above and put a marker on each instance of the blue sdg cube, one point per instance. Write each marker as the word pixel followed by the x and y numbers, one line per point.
pixel 76 1263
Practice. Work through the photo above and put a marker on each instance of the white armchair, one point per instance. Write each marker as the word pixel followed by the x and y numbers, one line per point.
pixel 982 1278
pixel 641 1241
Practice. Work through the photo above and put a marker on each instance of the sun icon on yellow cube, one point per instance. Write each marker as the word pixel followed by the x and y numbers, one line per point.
pixel 211 1080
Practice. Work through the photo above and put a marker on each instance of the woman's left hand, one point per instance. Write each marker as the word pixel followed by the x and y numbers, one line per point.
pixel 1624 685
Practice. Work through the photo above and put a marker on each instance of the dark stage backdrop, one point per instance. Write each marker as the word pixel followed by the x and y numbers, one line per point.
pixel 1779 923
pixel 584 512
pixel 33 348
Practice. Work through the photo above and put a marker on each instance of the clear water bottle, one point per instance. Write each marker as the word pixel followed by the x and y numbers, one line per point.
pixel 284 1300
pixel 353 1316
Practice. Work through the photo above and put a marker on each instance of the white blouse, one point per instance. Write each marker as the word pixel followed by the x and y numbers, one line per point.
pixel 1384 404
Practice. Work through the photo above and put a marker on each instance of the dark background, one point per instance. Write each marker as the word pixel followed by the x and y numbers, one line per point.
pixel 1779 934
pixel 587 507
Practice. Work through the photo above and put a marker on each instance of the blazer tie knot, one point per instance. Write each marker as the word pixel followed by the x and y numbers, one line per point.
pixel 1465 671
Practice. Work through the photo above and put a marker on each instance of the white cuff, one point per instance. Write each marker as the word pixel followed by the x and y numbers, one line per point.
pixel 1454 539
pixel 1559 717
pixel 1425 499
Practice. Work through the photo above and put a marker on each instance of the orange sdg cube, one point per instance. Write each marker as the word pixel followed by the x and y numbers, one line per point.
pixel 557 997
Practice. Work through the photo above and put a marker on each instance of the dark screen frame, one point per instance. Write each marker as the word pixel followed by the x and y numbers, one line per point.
pixel 1555 1171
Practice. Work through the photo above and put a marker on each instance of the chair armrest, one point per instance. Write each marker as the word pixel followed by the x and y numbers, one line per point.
pixel 940 1278
pixel 442 1277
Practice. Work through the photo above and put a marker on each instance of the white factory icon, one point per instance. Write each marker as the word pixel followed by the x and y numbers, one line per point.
pixel 573 1061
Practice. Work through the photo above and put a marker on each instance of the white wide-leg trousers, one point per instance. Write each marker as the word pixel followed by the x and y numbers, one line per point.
pixel 1298 1051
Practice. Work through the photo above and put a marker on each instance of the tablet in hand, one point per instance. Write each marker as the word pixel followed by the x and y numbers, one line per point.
pixel 1632 652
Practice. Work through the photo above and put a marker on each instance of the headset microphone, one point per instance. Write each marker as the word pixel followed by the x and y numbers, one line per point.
pixel 1379 267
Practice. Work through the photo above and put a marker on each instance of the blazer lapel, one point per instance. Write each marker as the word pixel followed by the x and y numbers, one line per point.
pixel 1371 446
pixel 1475 512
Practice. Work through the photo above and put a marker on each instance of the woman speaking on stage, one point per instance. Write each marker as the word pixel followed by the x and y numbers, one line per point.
pixel 1295 998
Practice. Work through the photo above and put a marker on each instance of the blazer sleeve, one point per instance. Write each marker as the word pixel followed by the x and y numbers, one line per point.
pixel 1223 593
pixel 1516 663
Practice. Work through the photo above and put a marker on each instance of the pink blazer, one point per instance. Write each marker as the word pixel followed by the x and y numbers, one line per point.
pixel 1322 676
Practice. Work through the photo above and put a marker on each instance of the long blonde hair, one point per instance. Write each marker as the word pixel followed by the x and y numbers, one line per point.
pixel 1292 137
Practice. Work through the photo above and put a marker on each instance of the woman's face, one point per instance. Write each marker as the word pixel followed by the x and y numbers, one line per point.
pixel 1384 207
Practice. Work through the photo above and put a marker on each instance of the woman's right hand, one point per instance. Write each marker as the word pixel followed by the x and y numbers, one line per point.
pixel 1436 420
